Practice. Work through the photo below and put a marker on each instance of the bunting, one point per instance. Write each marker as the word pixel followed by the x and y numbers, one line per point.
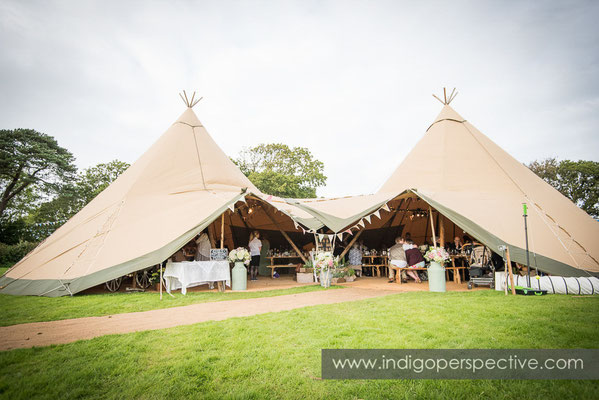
pixel 361 223
pixel 331 238
pixel 377 214
pixel 367 218
pixel 340 236
pixel 386 208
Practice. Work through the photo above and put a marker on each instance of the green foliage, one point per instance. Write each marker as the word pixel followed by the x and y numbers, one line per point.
pixel 577 180
pixel 12 253
pixel 278 355
pixel 31 160
pixel 282 171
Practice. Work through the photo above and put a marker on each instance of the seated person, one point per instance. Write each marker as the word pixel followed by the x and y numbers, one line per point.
pixel 397 258
pixel 414 259
pixel 355 258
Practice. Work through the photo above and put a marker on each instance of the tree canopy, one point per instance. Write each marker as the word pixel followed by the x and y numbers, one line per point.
pixel 282 171
pixel 31 160
pixel 577 180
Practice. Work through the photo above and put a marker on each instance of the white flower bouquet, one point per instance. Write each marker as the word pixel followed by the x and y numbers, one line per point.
pixel 438 255
pixel 240 254
pixel 324 261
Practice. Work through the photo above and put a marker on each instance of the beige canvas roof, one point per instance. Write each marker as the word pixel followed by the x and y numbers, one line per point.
pixel 173 191
pixel 481 188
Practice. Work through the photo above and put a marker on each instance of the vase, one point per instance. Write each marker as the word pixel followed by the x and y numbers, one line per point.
pixel 325 278
pixel 240 277
pixel 436 277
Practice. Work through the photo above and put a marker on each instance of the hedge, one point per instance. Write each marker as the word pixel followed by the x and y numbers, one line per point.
pixel 11 254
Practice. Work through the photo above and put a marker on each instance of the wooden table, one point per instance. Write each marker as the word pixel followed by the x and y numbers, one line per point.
pixel 272 265
pixel 384 263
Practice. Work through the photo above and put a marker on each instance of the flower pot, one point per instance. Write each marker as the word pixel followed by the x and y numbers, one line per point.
pixel 325 279
pixel 436 277
pixel 239 277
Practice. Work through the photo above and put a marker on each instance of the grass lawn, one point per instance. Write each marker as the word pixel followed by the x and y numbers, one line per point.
pixel 22 309
pixel 277 355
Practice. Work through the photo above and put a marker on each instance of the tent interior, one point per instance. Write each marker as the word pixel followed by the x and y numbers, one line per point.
pixel 409 215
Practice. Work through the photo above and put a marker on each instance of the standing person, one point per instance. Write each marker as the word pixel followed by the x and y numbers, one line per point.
pixel 397 258
pixel 355 258
pixel 255 246
pixel 263 269
pixel 203 251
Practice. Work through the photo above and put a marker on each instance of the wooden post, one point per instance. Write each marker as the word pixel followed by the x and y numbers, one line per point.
pixel 430 213
pixel 299 253
pixel 356 236
pixel 222 231
pixel 509 265
pixel 211 235
pixel 442 230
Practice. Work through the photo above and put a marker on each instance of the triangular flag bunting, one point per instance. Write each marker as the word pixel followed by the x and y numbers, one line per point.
pixel 377 214
pixel 385 207
pixel 349 231
pixel 331 238
pixel 340 236
pixel 361 223
pixel 320 236
pixel 232 207
pixel 367 218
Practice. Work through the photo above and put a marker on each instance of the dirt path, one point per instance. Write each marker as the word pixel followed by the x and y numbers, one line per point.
pixel 70 330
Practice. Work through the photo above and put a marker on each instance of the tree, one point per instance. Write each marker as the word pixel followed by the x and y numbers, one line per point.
pixel 577 180
pixel 282 171
pixel 31 160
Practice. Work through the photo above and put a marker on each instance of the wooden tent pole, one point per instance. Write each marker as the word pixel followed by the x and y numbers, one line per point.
pixel 299 253
pixel 442 230
pixel 509 266
pixel 430 214
pixel 222 231
pixel 356 236
pixel 211 235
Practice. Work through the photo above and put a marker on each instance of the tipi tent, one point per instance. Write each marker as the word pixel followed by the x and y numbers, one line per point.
pixel 172 192
pixel 480 188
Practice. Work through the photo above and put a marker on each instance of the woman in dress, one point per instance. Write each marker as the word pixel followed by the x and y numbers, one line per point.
pixel 255 246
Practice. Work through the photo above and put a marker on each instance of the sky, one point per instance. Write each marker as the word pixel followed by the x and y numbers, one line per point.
pixel 350 80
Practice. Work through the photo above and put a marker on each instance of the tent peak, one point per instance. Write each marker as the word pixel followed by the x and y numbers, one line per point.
pixel 446 100
pixel 189 103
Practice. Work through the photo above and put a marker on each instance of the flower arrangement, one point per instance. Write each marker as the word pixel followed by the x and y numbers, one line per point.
pixel 240 254
pixel 438 255
pixel 324 261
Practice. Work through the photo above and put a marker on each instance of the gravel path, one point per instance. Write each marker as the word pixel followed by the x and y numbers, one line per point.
pixel 70 330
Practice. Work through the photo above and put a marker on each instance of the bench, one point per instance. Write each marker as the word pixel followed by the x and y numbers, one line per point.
pixel 272 268
pixel 456 272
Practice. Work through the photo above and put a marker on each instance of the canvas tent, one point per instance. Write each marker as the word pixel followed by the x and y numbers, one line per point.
pixel 476 185
pixel 181 185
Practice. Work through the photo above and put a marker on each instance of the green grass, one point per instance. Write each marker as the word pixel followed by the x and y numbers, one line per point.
pixel 277 355
pixel 23 309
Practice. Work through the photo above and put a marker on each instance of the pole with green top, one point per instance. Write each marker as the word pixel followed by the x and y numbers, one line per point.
pixel 525 215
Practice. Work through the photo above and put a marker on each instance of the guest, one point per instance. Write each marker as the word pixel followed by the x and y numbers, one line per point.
pixel 263 269
pixel 457 244
pixel 397 257
pixel 355 258
pixel 408 236
pixel 255 246
pixel 414 259
pixel 203 250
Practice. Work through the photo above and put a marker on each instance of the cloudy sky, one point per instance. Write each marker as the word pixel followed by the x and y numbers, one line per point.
pixel 350 80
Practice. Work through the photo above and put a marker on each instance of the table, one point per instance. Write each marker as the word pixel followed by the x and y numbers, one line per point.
pixel 272 265
pixel 181 275
pixel 384 263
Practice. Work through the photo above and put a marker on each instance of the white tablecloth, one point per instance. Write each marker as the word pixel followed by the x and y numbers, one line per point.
pixel 181 275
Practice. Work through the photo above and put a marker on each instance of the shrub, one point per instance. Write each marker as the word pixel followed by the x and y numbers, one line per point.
pixel 11 254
